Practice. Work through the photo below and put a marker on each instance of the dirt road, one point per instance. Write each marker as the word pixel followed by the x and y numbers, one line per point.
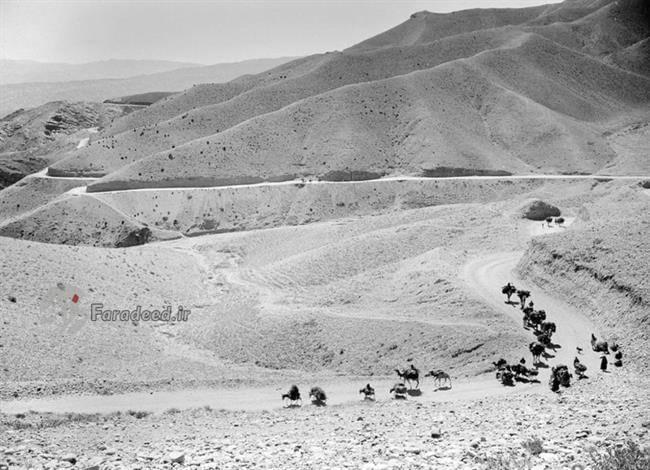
pixel 488 274
pixel 485 276
pixel 345 390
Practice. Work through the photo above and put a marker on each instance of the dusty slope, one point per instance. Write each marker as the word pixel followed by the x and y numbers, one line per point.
pixel 265 93
pixel 32 192
pixel 425 27
pixel 72 220
pixel 352 296
pixel 608 30
pixel 31 139
pixel 240 313
pixel 206 94
pixel 513 109
pixel 197 211
pixel 104 356
pixel 324 287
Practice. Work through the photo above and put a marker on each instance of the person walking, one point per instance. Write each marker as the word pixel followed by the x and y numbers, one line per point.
pixel 603 363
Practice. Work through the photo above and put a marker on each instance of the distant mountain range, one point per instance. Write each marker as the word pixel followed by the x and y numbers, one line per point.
pixel 98 81
pixel 25 71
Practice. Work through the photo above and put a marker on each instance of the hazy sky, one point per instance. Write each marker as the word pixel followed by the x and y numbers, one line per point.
pixel 202 31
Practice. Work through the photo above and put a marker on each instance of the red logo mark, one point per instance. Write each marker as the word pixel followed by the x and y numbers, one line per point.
pixel 75 298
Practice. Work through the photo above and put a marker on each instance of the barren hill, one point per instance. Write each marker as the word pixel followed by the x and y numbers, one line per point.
pixel 31 139
pixel 508 110
pixel 569 71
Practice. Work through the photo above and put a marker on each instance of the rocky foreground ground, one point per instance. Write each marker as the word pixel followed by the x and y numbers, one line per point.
pixel 533 429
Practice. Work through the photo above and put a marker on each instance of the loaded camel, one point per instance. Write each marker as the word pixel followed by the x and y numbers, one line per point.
pixel 506 376
pixel 535 318
pixel 409 375
pixel 317 396
pixel 509 290
pixel 293 397
pixel 368 392
pixel 439 377
pixel 523 295
pixel 547 327
pixel 504 373
pixel 545 340
pixel 536 349
pixel 399 391
pixel 560 375
pixel 520 370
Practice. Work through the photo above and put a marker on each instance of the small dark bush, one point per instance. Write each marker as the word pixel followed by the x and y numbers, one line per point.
pixel 628 457
pixel 534 445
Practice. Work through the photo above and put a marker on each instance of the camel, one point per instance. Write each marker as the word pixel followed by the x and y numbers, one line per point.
pixel 547 327
pixel 536 350
pixel 399 391
pixel 411 374
pixel 317 396
pixel 527 313
pixel 368 392
pixel 579 368
pixel 439 377
pixel 599 346
pixel 506 377
pixel 509 291
pixel 559 376
pixel 559 221
pixel 523 295
pixel 293 396
pixel 549 221
pixel 521 370
pixel 545 339
pixel 536 318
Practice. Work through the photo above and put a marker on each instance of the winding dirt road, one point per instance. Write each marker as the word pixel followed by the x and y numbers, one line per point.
pixel 484 275
pixel 487 275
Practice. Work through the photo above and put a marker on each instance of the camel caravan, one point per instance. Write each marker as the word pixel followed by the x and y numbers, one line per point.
pixel 507 374
pixel 410 385
pixel 536 320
